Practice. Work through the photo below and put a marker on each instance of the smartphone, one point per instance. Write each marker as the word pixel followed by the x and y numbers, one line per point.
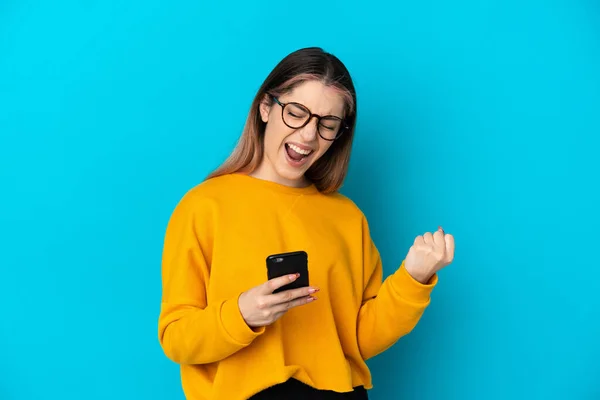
pixel 288 263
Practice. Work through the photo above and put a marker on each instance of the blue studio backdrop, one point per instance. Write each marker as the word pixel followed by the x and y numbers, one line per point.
pixel 480 116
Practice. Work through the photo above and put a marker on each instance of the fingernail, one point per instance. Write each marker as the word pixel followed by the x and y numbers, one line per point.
pixel 441 229
pixel 311 298
pixel 293 277
pixel 313 290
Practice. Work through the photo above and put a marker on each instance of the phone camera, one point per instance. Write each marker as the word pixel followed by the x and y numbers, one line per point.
pixel 279 259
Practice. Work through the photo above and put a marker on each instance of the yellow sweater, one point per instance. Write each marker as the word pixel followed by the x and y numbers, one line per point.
pixel 216 244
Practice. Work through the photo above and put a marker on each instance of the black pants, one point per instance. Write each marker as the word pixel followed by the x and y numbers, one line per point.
pixel 296 390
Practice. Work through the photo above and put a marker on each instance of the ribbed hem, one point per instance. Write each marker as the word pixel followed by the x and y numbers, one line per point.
pixel 234 324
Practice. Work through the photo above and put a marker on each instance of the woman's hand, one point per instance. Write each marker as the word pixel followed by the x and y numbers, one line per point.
pixel 260 307
pixel 428 254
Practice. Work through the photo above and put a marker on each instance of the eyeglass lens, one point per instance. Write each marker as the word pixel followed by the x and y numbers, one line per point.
pixel 296 116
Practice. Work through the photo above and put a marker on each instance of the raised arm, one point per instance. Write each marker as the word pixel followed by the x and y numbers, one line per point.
pixel 392 307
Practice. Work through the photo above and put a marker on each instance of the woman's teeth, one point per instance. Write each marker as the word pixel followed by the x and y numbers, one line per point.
pixel 299 150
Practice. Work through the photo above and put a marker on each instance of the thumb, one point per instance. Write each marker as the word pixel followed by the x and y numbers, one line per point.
pixel 273 284
pixel 449 247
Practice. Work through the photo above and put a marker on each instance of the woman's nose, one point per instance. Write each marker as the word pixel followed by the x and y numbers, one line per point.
pixel 309 131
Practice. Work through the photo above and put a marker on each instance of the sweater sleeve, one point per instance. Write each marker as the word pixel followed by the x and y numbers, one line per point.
pixel 392 307
pixel 191 330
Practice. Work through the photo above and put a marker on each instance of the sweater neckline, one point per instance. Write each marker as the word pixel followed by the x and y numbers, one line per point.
pixel 276 186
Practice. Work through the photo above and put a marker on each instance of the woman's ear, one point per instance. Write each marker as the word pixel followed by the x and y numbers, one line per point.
pixel 265 108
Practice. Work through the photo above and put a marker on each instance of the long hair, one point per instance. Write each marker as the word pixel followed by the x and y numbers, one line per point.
pixel 313 63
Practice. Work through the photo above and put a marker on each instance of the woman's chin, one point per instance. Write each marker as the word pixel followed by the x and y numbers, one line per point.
pixel 292 175
pixel 293 171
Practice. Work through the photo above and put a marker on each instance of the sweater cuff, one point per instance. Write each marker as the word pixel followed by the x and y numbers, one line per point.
pixel 411 289
pixel 234 325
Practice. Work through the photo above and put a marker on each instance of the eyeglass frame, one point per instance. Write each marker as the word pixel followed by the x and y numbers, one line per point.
pixel 343 125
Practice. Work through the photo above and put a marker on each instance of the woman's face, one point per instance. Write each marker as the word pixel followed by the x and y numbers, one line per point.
pixel 289 152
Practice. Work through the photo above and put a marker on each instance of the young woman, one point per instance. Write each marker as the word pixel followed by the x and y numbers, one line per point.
pixel 220 319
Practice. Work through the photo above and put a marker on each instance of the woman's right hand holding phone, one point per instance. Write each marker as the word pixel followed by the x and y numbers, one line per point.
pixel 260 306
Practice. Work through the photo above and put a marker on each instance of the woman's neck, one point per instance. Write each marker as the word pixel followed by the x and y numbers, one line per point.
pixel 268 173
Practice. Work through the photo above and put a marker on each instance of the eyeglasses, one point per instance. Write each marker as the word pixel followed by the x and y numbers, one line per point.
pixel 296 116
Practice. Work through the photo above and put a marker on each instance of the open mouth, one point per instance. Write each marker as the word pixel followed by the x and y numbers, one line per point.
pixel 296 154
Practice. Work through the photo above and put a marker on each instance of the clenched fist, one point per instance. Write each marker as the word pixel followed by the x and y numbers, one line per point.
pixel 428 254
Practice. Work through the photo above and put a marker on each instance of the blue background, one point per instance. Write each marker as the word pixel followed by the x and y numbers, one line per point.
pixel 481 116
